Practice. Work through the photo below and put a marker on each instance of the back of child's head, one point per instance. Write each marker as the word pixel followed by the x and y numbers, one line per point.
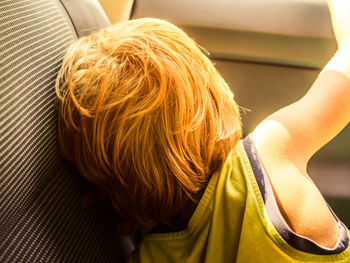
pixel 145 116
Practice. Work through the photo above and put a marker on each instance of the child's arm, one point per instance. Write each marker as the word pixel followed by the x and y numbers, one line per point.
pixel 288 138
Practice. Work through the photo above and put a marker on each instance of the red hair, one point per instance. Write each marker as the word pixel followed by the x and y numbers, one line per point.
pixel 145 116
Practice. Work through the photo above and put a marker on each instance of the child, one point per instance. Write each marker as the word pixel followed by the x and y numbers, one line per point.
pixel 146 117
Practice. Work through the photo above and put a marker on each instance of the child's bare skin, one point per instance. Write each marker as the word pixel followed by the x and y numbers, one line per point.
pixel 288 138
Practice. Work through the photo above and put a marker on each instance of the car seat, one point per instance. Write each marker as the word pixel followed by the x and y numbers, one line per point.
pixel 42 218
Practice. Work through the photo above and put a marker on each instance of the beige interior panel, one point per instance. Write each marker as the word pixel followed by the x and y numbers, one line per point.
pixel 284 32
pixel 280 49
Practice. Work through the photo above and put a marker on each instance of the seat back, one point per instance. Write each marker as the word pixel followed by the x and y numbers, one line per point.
pixel 42 218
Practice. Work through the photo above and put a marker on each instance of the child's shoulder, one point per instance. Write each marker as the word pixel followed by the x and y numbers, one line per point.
pixel 298 198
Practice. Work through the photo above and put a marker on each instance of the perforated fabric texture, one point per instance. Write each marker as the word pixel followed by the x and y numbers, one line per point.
pixel 41 215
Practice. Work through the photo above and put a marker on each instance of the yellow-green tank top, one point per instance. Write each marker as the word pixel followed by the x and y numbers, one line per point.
pixel 237 220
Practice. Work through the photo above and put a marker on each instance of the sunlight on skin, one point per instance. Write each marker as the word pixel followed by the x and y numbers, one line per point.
pixel 340 61
pixel 277 148
pixel 299 200
pixel 288 138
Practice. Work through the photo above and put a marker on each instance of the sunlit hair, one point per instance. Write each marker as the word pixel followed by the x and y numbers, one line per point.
pixel 145 116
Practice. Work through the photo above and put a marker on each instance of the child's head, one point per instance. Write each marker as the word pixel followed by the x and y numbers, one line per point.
pixel 145 116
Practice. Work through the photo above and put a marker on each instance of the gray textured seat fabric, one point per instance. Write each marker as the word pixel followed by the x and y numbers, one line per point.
pixel 41 215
